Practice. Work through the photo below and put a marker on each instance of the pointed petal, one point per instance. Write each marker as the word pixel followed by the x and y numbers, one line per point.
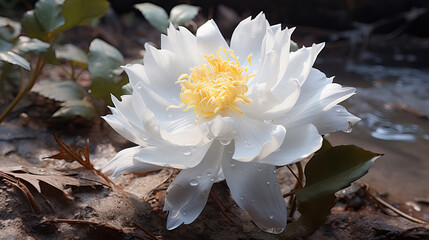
pixel 187 195
pixel 298 144
pixel 248 36
pixel 168 155
pixel 256 139
pixel 209 38
pixel 255 189
pixel 124 162
pixel 335 119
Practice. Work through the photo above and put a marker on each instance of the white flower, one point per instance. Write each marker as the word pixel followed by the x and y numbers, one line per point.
pixel 226 112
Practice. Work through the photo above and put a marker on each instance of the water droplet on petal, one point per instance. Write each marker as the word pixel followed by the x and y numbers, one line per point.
pixel 187 151
pixel 271 216
pixel 199 176
pixel 241 197
pixel 139 85
pixel 274 230
pixel 268 183
pixel 225 142
pixel 232 164
pixel 247 144
pixel 253 200
pixel 349 129
pixel 193 182
pixel 212 179
pixel 209 174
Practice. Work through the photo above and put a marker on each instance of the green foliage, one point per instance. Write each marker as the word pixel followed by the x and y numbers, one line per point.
pixel 32 26
pixel 103 60
pixel 330 170
pixel 82 12
pixel 9 29
pixel 158 17
pixel 73 54
pixel 62 91
pixel 83 108
pixel 48 13
pixel 15 59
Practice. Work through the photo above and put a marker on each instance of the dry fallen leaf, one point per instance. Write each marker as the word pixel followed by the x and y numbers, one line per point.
pixel 58 180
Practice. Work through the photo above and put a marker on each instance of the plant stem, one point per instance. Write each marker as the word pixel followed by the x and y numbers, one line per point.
pixel 39 66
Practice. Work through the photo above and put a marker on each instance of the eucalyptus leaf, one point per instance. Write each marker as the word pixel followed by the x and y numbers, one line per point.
pixel 32 26
pixel 72 53
pixel 155 15
pixel 103 59
pixel 83 108
pixel 9 29
pixel 82 12
pixel 62 91
pixel 183 13
pixel 26 45
pixel 330 170
pixel 48 12
pixel 15 59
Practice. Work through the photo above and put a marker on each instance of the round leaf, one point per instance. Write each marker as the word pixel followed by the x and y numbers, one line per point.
pixel 48 12
pixel 155 15
pixel 183 13
pixel 103 59
pixel 25 45
pixel 32 26
pixel 5 46
pixel 82 12
pixel 72 53
pixel 62 91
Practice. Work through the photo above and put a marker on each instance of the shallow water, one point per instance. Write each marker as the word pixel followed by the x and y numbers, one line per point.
pixel 392 99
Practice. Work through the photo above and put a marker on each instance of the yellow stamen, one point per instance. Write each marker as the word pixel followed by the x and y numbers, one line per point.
pixel 214 87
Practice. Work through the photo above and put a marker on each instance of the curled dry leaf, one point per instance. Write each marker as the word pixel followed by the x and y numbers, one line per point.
pixel 55 179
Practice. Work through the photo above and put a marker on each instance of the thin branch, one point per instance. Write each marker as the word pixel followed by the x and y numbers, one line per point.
pixel 146 231
pixel 222 209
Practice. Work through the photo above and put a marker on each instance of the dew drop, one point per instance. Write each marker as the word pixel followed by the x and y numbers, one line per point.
pixel 212 179
pixel 252 200
pixel 241 197
pixel 139 85
pixel 349 129
pixel 247 144
pixel 225 142
pixel 199 176
pixel 187 152
pixel 274 230
pixel 232 164
pixel 271 216
pixel 209 174
pixel 193 182
pixel 259 169
pixel 268 183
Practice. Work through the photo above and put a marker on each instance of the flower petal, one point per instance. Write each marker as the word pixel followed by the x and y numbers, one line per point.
pixel 168 155
pixel 255 189
pixel 256 139
pixel 182 43
pixel 335 119
pixel 187 195
pixel 121 126
pixel 209 38
pixel 248 36
pixel 124 162
pixel 298 144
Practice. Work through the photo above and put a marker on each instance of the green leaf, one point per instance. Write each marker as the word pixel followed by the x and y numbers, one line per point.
pixel 48 12
pixel 82 12
pixel 330 170
pixel 26 45
pixel 32 26
pixel 127 89
pixel 293 46
pixel 83 108
pixel 15 59
pixel 103 59
pixel 62 91
pixel 155 15
pixel 183 13
pixel 9 29
pixel 104 88
pixel 73 54
pixel 5 46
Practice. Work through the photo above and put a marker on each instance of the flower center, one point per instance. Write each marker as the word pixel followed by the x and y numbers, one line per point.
pixel 214 87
